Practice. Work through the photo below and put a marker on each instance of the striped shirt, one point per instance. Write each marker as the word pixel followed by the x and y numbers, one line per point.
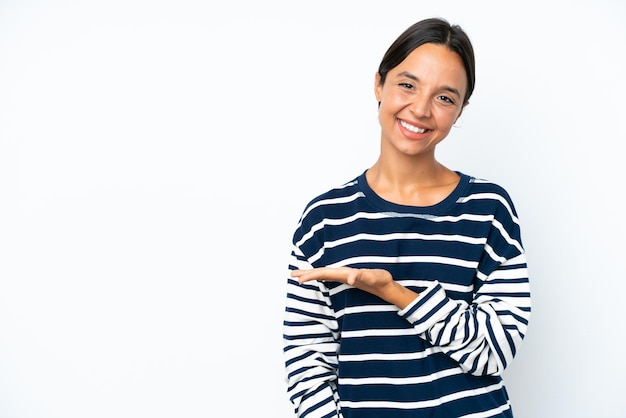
pixel 350 354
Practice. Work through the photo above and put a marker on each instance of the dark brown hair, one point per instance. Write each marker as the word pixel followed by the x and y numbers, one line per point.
pixel 436 31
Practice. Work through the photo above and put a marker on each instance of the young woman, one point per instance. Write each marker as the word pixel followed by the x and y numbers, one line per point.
pixel 408 294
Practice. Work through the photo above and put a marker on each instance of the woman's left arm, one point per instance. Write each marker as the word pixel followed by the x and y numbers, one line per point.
pixel 483 336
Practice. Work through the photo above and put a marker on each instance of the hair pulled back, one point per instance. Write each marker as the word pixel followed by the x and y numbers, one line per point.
pixel 436 31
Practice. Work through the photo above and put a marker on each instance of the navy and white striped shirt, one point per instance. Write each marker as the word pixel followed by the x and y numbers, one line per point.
pixel 350 354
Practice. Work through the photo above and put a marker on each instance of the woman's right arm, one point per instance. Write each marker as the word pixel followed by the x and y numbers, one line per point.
pixel 311 344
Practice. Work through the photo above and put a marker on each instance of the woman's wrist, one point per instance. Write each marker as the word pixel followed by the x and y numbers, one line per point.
pixel 398 295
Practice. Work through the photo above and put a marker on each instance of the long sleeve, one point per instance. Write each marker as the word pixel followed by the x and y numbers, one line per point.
pixel 482 336
pixel 310 348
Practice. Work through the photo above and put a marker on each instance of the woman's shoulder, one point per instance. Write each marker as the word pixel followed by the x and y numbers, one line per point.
pixel 490 194
pixel 483 185
pixel 338 192
pixel 333 200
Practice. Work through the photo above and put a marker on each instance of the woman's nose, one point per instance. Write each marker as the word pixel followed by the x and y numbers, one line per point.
pixel 420 105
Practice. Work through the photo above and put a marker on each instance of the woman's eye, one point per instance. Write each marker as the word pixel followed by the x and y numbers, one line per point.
pixel 446 99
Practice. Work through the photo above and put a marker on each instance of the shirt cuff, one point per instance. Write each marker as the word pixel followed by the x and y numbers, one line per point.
pixel 431 306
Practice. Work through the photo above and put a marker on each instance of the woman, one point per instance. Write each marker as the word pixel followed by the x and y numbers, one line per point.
pixel 409 292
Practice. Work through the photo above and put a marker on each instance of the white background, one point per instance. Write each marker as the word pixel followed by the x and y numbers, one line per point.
pixel 155 157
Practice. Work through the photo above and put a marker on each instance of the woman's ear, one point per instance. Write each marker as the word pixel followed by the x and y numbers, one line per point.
pixel 378 88
pixel 461 112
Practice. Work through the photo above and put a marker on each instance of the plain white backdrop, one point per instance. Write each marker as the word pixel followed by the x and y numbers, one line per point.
pixel 155 157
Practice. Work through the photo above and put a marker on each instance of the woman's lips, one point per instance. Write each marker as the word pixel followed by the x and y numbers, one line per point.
pixel 411 131
pixel 412 128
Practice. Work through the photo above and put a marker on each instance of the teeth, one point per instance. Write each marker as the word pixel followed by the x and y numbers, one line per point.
pixel 412 128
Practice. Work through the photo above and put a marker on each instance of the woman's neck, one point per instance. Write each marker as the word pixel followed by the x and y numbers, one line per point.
pixel 412 183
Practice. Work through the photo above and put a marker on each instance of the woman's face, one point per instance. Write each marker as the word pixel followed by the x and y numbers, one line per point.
pixel 421 99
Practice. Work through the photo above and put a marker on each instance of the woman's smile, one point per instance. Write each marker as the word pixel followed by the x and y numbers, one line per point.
pixel 412 128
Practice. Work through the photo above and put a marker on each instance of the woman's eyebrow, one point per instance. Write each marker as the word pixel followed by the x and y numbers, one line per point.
pixel 414 78
pixel 408 75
